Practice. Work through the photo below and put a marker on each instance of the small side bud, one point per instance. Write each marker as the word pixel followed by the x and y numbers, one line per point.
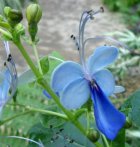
pixel 13 16
pixel 128 123
pixel 6 11
pixel 93 135
pixel 33 15
pixel 19 29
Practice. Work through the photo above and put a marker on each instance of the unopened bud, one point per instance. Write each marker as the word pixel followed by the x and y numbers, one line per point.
pixel 15 16
pixel 6 11
pixel 93 135
pixel 128 123
pixel 33 13
pixel 20 30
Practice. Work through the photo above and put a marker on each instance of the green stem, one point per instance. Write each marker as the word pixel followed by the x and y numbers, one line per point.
pixel 46 86
pixel 48 112
pixel 31 110
pixel 88 123
pixel 106 144
pixel 13 117
pixel 37 58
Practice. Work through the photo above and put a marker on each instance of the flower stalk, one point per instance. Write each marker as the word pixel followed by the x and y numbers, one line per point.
pixel 37 58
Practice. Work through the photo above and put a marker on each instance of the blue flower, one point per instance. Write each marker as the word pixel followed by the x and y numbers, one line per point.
pixel 76 83
pixel 8 76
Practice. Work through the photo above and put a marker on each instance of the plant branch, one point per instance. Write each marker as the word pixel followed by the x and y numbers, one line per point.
pixel 46 86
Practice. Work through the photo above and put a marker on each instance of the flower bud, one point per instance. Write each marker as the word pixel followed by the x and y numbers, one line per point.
pixel 33 13
pixel 128 123
pixel 15 16
pixel 93 135
pixel 19 29
pixel 6 11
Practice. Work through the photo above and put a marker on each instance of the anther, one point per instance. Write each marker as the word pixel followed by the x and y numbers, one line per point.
pixel 102 9
pixel 92 13
pixel 73 37
pixel 5 64
pixel 9 57
pixel 75 40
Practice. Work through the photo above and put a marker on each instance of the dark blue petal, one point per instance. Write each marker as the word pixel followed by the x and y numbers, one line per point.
pixel 48 95
pixel 108 119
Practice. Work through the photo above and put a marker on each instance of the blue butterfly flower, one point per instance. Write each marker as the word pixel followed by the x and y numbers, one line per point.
pixel 8 78
pixel 76 83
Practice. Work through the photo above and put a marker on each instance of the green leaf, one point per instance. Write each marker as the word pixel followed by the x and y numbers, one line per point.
pixel 136 108
pixel 119 140
pixel 48 120
pixel 53 63
pixel 63 135
pixel 44 64
pixel 26 77
pixel 132 107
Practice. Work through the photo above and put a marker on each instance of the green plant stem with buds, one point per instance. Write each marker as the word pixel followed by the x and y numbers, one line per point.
pixel 46 86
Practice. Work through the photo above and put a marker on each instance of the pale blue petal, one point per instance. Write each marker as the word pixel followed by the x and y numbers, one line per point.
pixel 1 98
pixel 6 85
pixel 75 94
pixel 105 80
pixel 102 57
pixel 119 89
pixel 108 119
pixel 64 74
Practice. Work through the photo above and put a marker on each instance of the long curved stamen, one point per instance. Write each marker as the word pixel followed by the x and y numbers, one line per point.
pixel 7 48
pixel 84 18
pixel 106 38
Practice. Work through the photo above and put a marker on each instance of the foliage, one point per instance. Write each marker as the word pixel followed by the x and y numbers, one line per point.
pixel 119 4
pixel 128 57
pixel 130 10
pixel 132 109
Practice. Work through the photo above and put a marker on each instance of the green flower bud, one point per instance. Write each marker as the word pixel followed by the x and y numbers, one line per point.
pixel 33 13
pixel 15 16
pixel 128 123
pixel 6 11
pixel 93 135
pixel 20 30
